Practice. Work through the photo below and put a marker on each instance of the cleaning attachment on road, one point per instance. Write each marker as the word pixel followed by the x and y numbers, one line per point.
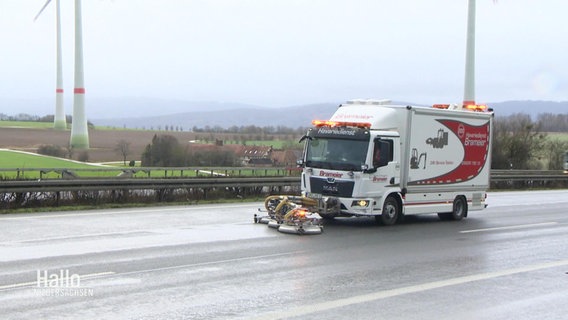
pixel 291 214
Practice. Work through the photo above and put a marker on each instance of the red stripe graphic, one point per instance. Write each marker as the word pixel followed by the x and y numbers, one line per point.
pixel 79 91
pixel 475 142
pixel 58 90
pixel 426 203
pixel 433 202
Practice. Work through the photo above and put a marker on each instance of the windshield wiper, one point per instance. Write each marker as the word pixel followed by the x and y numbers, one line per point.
pixel 345 167
pixel 318 164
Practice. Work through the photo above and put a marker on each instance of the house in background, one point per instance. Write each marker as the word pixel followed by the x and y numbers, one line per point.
pixel 252 155
pixel 286 158
pixel 256 156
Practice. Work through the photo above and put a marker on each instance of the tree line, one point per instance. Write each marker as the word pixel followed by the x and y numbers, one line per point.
pixel 251 129
pixel 166 151
pixel 518 143
pixel 35 118
pixel 521 143
pixel 550 122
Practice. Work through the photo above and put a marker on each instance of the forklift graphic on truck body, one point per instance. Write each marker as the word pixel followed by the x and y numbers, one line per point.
pixel 440 140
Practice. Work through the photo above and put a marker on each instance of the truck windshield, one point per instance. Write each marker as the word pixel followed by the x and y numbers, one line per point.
pixel 336 154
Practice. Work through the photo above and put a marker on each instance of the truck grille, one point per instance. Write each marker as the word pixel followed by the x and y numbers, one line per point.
pixel 332 187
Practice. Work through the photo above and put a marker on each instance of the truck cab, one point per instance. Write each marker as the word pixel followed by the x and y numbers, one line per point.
pixel 349 167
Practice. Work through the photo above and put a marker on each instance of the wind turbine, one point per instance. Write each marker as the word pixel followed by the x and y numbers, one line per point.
pixel 79 133
pixel 79 129
pixel 59 121
pixel 469 83
pixel 469 87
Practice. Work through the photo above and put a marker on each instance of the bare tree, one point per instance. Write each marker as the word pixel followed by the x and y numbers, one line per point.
pixel 123 148
pixel 70 150
pixel 83 156
pixel 517 142
pixel 164 151
pixel 554 151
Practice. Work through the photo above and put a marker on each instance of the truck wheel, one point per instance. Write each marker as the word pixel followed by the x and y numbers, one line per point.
pixel 391 211
pixel 460 208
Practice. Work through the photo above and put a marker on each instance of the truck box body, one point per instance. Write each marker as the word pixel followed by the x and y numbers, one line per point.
pixel 424 158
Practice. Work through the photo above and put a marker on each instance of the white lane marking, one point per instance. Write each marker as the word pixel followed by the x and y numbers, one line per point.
pixel 101 274
pixel 191 265
pixel 32 283
pixel 521 226
pixel 125 211
pixel 82 236
pixel 328 305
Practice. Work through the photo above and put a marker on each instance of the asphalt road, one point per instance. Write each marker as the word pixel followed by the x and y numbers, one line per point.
pixel 509 261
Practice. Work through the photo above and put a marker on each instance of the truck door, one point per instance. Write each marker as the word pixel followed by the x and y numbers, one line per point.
pixel 386 169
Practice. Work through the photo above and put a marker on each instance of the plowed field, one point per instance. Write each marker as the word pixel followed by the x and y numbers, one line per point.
pixel 102 142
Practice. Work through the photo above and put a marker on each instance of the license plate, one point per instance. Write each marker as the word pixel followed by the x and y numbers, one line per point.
pixel 313 195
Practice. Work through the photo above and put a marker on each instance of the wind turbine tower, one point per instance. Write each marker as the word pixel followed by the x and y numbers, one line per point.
pixel 469 86
pixel 59 121
pixel 79 129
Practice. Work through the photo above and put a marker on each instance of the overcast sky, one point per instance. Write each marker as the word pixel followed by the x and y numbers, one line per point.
pixel 289 52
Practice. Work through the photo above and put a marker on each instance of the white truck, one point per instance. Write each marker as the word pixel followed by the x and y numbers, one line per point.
pixel 376 159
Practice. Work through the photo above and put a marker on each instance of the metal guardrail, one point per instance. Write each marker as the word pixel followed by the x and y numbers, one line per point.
pixel 528 175
pixel 216 180
pixel 141 184
pixel 144 172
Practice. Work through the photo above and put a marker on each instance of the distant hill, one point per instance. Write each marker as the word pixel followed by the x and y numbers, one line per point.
pixel 532 108
pixel 154 113
pixel 293 117
pixel 225 115
pixel 122 107
pixel 139 112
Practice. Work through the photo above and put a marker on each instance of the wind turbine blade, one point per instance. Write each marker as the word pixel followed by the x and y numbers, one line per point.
pixel 43 8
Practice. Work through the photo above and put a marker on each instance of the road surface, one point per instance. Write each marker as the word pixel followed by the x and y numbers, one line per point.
pixel 212 262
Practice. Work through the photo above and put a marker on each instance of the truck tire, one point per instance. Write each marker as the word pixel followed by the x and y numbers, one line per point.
pixel 391 212
pixel 459 210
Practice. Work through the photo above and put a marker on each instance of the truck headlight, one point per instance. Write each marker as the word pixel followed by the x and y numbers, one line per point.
pixel 360 203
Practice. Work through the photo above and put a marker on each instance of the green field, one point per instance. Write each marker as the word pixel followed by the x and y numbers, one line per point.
pixel 26 124
pixel 49 125
pixel 561 136
pixel 13 159
pixel 18 165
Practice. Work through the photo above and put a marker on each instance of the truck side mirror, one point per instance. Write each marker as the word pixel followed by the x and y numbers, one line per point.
pixel 365 169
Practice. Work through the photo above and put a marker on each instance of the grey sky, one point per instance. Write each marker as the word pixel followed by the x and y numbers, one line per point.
pixel 289 52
